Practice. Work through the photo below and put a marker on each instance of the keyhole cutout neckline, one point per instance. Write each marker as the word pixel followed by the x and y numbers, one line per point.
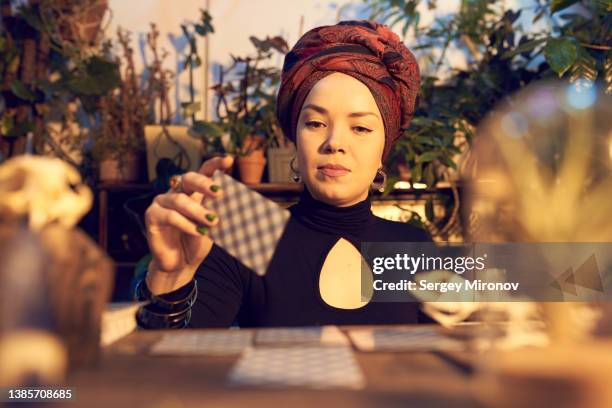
pixel 339 279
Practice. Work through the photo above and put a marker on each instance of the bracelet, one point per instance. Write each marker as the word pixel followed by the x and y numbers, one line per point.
pixel 163 314
pixel 149 320
pixel 142 292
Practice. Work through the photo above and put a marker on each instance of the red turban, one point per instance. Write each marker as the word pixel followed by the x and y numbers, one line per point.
pixel 365 50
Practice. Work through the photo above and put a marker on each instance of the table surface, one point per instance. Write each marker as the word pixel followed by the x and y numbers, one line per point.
pixel 127 375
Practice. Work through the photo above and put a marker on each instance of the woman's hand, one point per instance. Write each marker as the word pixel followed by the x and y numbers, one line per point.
pixel 177 226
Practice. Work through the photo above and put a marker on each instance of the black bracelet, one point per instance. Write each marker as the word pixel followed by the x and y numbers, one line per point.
pixel 149 320
pixel 143 293
pixel 164 314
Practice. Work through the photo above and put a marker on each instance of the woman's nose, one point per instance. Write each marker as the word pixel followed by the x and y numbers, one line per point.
pixel 335 140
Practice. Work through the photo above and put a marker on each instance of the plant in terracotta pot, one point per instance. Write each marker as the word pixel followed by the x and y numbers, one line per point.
pixel 118 139
pixel 245 97
pixel 250 151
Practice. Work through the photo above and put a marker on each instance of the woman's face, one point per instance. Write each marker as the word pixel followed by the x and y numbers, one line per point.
pixel 340 139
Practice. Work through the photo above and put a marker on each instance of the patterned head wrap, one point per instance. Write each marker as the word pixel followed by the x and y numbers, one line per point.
pixel 365 50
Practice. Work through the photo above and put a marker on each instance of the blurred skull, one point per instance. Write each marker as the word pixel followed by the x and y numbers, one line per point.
pixel 41 191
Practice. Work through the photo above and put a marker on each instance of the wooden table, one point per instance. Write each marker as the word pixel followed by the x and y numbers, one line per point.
pixel 128 376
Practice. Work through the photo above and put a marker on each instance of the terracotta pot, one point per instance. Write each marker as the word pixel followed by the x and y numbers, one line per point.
pixel 126 170
pixel 251 168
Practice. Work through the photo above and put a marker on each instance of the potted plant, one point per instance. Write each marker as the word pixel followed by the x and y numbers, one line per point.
pixel 118 142
pixel 280 149
pixel 118 136
pixel 502 57
pixel 245 109
pixel 178 142
pixel 249 148
pixel 53 69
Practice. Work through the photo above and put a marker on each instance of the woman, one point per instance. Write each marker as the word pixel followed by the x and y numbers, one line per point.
pixel 347 93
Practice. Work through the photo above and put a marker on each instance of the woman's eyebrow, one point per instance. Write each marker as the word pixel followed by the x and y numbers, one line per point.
pixel 360 114
pixel 315 108
pixel 323 111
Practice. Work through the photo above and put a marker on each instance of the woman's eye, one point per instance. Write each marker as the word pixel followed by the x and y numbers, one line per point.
pixel 361 129
pixel 314 124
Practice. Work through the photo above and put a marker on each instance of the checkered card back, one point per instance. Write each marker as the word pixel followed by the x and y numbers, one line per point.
pixel 249 226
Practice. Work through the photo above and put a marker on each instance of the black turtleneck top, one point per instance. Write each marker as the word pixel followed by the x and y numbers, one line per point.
pixel 288 295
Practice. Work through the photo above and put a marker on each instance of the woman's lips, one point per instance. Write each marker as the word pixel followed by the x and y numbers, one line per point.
pixel 333 171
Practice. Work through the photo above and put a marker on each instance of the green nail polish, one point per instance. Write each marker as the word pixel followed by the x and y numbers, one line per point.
pixel 202 229
pixel 211 217
pixel 214 188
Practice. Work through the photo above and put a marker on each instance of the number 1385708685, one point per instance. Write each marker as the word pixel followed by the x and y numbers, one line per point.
pixel 32 394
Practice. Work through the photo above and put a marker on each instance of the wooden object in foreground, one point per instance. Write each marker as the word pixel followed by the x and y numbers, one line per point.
pixel 576 375
pixel 77 278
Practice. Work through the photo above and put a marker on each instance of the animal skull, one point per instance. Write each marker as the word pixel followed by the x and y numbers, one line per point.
pixel 42 190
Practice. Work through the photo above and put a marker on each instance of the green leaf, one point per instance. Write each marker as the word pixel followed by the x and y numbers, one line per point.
pixel 430 178
pixel 558 5
pixel 427 157
pixel 429 210
pixel 13 66
pixel 205 130
pixel 20 129
pixel 200 29
pixel 416 173
pixel 6 124
pixel 560 53
pixel 190 108
pixel 426 140
pixel 99 77
pixel 448 162
pixel 206 21
pixel 22 91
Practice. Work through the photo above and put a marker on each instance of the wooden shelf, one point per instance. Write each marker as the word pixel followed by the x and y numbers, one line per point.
pixel 271 188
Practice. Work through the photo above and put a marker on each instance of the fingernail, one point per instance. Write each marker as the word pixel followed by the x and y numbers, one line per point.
pixel 214 188
pixel 202 229
pixel 211 217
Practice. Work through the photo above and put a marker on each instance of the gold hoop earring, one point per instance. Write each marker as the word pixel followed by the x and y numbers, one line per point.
pixel 296 173
pixel 380 185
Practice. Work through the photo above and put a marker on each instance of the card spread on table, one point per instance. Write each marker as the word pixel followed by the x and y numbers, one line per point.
pixel 250 225
pixel 403 339
pixel 195 342
pixel 319 335
pixel 308 366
